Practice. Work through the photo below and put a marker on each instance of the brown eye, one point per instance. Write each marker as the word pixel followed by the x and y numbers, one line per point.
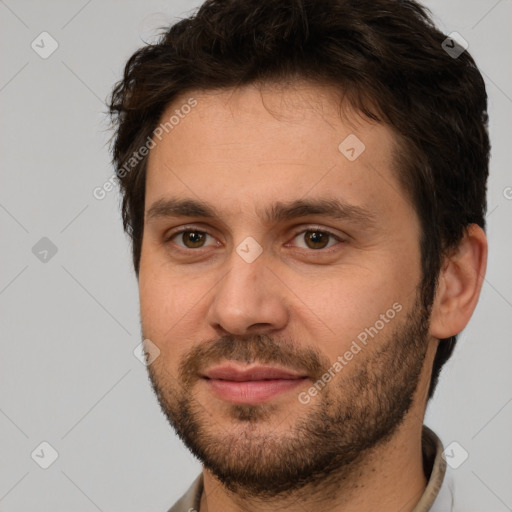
pixel 315 238
pixel 194 238
pixel 189 238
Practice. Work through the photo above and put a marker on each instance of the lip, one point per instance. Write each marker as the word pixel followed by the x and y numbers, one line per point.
pixel 234 373
pixel 254 385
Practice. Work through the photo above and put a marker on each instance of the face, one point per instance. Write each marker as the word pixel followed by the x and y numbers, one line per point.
pixel 279 274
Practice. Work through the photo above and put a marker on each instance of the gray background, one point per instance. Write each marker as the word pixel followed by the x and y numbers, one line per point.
pixel 69 324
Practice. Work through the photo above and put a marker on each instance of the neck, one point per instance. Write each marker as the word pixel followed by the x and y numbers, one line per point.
pixel 387 478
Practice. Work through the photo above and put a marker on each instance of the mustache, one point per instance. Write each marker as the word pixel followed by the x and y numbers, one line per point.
pixel 260 348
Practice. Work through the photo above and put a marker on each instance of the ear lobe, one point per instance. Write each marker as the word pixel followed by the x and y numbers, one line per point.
pixel 459 285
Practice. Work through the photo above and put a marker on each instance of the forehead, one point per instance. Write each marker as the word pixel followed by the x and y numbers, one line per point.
pixel 251 145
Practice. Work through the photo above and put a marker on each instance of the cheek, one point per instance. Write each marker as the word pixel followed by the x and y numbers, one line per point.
pixel 160 304
pixel 163 302
pixel 342 308
pixel 159 313
pixel 170 310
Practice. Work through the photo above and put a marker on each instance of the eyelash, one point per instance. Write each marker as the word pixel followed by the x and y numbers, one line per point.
pixel 315 229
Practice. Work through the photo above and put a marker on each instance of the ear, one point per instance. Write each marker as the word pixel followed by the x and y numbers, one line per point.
pixel 460 282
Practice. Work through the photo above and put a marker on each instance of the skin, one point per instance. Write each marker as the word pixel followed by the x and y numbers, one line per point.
pixel 241 151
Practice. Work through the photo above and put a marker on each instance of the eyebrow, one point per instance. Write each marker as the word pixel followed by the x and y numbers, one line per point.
pixel 278 212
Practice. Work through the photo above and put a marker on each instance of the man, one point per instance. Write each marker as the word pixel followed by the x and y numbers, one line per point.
pixel 304 184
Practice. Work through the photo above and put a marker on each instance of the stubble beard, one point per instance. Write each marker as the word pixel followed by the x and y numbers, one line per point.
pixel 352 415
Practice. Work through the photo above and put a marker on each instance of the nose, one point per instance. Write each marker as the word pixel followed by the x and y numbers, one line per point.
pixel 249 299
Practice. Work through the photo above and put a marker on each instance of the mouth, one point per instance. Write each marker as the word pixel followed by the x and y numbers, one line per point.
pixel 254 385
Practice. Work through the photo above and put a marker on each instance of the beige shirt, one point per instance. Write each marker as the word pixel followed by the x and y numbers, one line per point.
pixel 432 499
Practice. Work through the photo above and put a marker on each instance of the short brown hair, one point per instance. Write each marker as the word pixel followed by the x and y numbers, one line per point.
pixel 385 56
